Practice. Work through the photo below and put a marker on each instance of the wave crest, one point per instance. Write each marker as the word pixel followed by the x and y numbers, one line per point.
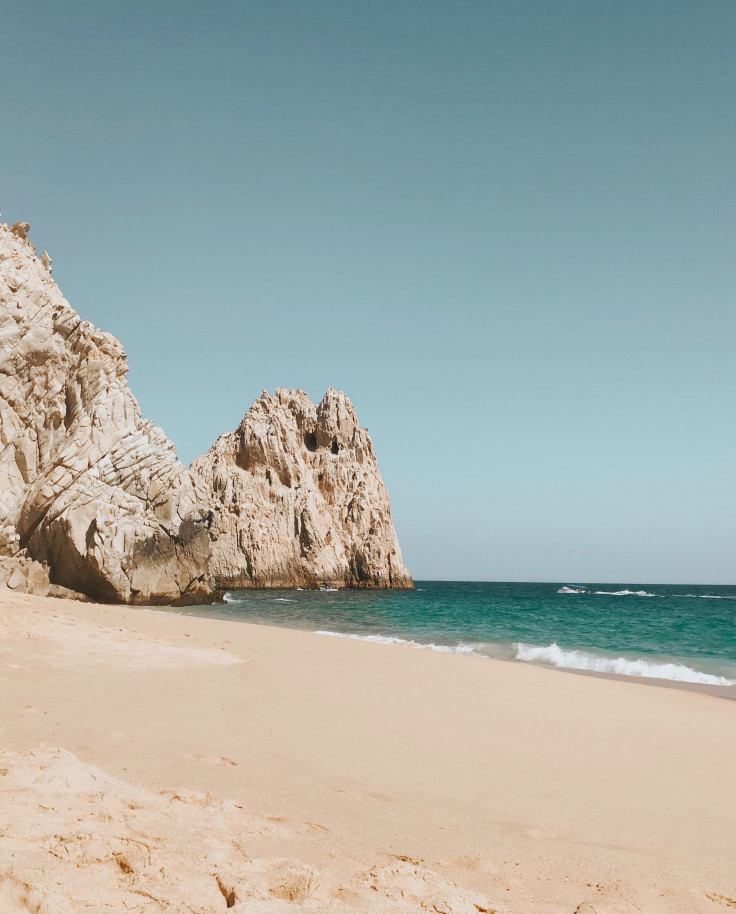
pixel 461 648
pixel 554 655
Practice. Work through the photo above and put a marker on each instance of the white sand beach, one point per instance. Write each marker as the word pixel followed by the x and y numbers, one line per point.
pixel 156 762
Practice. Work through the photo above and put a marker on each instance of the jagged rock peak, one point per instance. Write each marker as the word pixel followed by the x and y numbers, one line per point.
pixel 88 487
pixel 299 499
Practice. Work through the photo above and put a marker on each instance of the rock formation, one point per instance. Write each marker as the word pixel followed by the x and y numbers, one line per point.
pixel 93 498
pixel 88 487
pixel 299 499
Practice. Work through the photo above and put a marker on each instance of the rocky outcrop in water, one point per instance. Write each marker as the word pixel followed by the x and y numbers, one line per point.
pixel 299 499
pixel 88 487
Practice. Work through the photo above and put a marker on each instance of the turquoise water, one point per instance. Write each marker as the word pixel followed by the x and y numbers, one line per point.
pixel 683 633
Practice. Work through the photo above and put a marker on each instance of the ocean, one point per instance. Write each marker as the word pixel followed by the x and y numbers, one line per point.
pixel 681 633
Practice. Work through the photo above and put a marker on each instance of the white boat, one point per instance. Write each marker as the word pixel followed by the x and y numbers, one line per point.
pixel 572 588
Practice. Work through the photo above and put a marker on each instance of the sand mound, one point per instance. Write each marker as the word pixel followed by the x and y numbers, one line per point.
pixel 91 840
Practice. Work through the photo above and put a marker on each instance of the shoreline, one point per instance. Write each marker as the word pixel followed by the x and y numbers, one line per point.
pixel 335 774
pixel 727 692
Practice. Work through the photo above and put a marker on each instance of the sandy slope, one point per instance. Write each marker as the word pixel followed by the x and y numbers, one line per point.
pixel 155 762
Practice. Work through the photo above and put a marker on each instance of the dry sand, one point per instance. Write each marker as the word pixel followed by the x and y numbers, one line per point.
pixel 155 762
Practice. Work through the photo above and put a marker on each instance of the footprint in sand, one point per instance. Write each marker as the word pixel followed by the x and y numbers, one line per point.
pixel 408 882
pixel 16 897
pixel 221 760
pixel 265 880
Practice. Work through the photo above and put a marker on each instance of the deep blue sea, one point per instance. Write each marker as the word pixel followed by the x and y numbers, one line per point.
pixel 671 632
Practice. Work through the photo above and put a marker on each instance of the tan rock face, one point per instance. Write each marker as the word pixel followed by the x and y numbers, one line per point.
pixel 22 575
pixel 299 499
pixel 96 494
pixel 87 486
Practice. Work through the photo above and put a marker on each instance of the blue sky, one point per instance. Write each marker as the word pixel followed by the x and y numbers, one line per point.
pixel 505 229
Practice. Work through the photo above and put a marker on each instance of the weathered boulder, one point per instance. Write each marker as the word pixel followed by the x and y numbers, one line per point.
pixel 87 486
pixel 23 575
pixel 299 499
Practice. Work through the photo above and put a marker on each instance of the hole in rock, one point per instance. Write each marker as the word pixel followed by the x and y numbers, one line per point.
pixel 335 446
pixel 310 441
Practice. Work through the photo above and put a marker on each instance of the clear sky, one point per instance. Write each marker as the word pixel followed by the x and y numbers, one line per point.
pixel 506 228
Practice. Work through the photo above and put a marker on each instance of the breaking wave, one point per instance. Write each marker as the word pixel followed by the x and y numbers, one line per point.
pixel 554 655
pixel 461 648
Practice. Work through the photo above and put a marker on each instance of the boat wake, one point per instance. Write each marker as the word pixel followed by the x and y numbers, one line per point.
pixel 626 593
pixel 574 588
pixel 706 596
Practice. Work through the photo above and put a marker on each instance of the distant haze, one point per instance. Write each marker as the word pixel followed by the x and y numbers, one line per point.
pixel 506 229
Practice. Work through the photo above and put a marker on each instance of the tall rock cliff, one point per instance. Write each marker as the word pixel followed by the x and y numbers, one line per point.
pixel 94 499
pixel 299 499
pixel 87 486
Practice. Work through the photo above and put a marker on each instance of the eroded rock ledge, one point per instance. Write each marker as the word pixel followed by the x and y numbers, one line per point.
pixel 299 499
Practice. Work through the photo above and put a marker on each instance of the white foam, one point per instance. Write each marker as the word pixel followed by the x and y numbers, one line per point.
pixel 705 596
pixel 626 593
pixel 554 655
pixel 462 648
pixel 283 600
pixel 229 598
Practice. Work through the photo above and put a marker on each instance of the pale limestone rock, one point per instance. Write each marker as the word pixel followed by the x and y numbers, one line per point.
pixel 24 576
pixel 299 499
pixel 87 486
pixel 96 494
pixel 20 229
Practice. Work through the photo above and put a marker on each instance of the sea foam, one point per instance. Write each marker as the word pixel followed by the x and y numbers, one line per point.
pixel 609 593
pixel 461 648
pixel 625 593
pixel 554 655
